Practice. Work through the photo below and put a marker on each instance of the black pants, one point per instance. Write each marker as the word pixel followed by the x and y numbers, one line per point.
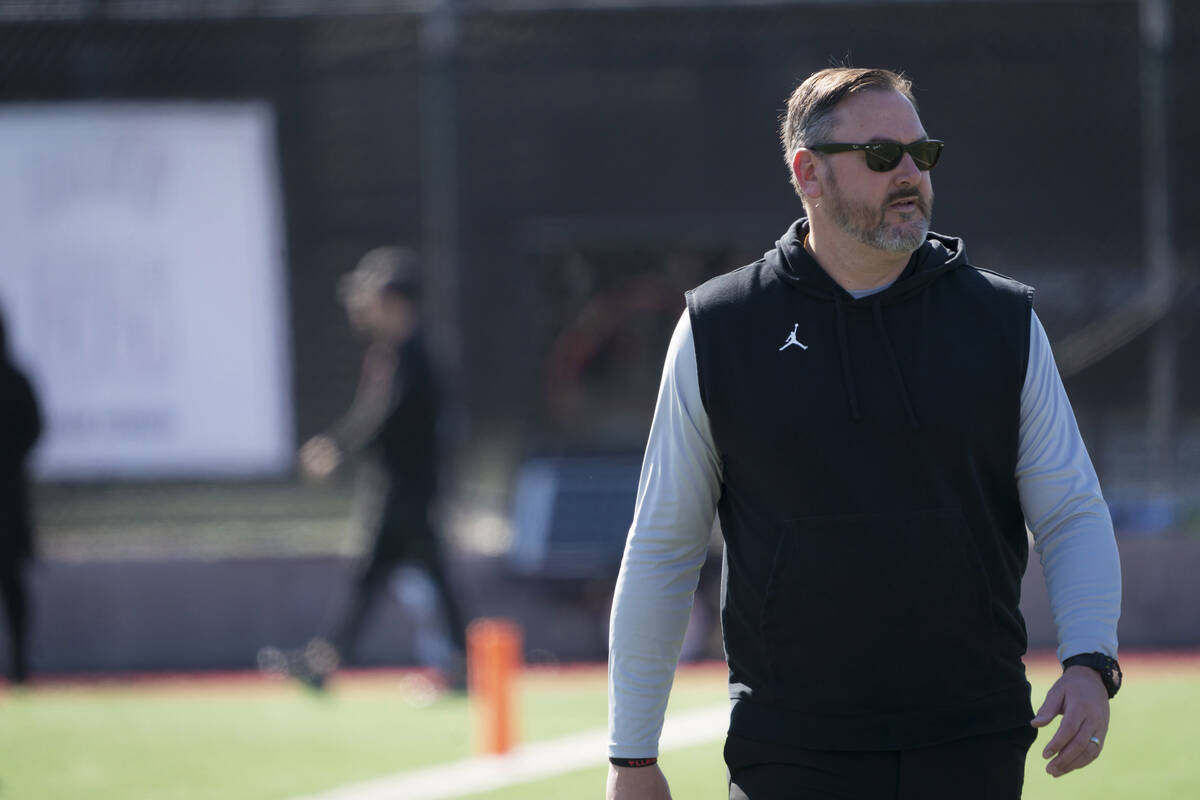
pixel 14 596
pixel 405 538
pixel 987 767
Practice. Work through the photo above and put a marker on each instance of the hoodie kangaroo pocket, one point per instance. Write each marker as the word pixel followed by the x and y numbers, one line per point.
pixel 868 613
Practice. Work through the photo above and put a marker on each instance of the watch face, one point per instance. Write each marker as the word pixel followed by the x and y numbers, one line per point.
pixel 1116 677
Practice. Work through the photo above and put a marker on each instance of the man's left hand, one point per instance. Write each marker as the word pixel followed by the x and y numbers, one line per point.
pixel 1080 697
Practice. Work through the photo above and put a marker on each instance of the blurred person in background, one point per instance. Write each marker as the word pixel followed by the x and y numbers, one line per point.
pixel 393 424
pixel 20 427
pixel 876 421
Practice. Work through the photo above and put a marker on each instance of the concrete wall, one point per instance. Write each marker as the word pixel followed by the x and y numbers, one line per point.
pixel 113 616
pixel 1160 607
pixel 188 615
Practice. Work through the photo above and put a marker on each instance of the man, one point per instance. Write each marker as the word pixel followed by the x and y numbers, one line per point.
pixel 19 432
pixel 393 421
pixel 875 420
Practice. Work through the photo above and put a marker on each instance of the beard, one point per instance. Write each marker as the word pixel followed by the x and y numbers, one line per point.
pixel 869 225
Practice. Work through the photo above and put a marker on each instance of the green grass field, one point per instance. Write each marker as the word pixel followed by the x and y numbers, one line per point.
pixel 237 738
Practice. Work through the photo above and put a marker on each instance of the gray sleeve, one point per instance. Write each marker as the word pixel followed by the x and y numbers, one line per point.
pixel 1064 509
pixel 672 523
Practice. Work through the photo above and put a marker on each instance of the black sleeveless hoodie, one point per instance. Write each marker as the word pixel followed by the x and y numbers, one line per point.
pixel 874 537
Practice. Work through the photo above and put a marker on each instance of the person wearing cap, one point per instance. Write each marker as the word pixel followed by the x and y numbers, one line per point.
pixel 392 424
pixel 876 421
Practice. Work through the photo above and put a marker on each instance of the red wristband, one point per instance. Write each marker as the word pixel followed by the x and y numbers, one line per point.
pixel 632 762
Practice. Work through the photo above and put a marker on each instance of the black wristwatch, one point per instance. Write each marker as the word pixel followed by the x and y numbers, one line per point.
pixel 1109 669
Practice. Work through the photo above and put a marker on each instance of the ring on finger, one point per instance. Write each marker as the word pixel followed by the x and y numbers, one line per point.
pixel 1096 741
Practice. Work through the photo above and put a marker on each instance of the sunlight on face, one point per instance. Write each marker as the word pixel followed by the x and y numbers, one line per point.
pixel 868 222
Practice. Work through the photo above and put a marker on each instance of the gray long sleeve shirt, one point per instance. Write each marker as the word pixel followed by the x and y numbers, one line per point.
pixel 676 503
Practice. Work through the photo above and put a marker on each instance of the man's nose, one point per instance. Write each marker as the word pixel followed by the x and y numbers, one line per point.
pixel 907 173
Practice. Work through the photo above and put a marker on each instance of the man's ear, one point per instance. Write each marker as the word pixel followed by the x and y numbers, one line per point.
pixel 804 167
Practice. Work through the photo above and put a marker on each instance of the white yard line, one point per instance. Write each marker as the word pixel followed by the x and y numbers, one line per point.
pixel 529 763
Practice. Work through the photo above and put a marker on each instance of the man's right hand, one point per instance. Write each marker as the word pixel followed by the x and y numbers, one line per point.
pixel 637 783
pixel 319 457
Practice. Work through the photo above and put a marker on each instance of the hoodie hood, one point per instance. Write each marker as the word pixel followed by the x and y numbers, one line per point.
pixel 937 256
pixel 796 267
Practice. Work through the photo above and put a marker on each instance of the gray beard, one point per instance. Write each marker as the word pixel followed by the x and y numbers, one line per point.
pixel 868 226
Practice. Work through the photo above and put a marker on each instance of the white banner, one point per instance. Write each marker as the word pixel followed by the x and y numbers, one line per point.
pixel 143 279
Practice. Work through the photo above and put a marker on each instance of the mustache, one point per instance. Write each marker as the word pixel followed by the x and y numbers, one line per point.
pixel 905 194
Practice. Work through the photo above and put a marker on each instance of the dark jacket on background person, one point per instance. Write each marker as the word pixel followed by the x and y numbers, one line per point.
pixel 393 425
pixel 875 541
pixel 20 427
pixel 394 419
pixel 407 441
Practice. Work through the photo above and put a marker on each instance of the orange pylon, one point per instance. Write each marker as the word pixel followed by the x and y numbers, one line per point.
pixel 493 664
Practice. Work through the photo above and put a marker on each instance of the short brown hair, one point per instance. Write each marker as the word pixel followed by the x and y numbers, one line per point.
pixel 810 109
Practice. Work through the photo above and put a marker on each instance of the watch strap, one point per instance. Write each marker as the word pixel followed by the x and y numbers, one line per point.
pixel 1107 667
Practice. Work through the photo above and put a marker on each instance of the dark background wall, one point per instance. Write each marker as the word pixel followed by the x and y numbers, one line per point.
pixel 651 131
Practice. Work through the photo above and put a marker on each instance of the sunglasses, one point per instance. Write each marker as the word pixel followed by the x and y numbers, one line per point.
pixel 886 156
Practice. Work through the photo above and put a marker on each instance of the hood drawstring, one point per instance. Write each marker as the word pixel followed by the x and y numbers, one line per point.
pixel 847 375
pixel 887 343
pixel 796 266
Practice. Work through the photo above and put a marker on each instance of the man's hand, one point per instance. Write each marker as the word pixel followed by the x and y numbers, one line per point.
pixel 637 783
pixel 319 457
pixel 1080 697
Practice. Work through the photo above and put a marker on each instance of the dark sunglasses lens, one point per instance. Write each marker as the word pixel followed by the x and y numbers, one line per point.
pixel 884 156
pixel 926 154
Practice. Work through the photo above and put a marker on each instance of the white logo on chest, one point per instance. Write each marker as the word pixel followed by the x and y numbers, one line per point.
pixel 792 340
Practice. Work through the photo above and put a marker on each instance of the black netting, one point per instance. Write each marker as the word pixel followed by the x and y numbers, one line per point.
pixel 616 155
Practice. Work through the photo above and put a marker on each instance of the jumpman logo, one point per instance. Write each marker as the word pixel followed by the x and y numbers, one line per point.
pixel 792 340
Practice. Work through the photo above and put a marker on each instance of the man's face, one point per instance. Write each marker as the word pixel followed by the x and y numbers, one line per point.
pixel 889 211
pixel 360 310
pixel 379 313
pixel 397 317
